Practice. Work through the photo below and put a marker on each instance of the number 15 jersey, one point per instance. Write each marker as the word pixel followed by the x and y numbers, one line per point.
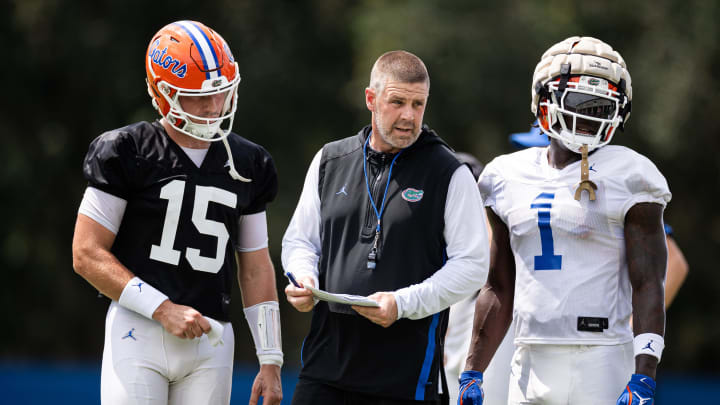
pixel 181 221
pixel 572 284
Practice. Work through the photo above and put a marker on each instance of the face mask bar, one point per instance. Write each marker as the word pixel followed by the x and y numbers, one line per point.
pixel 586 115
pixel 207 129
pixel 202 128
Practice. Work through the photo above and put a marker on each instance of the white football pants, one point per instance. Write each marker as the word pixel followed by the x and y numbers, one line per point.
pixel 143 364
pixel 569 374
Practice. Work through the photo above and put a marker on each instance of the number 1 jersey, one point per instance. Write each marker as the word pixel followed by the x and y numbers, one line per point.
pixel 572 284
pixel 181 221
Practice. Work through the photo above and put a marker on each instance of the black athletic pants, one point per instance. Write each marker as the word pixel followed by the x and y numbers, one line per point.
pixel 308 392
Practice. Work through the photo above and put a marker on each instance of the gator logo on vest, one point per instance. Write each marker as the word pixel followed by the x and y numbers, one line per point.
pixel 412 195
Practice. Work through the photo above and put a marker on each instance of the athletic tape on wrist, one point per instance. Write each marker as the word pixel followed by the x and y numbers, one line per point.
pixel 264 322
pixel 141 297
pixel 649 343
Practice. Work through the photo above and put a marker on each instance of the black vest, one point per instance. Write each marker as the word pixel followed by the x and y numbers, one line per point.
pixel 344 349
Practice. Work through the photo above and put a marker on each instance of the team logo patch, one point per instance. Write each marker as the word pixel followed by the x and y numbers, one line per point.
pixel 593 82
pixel 412 195
pixel 165 61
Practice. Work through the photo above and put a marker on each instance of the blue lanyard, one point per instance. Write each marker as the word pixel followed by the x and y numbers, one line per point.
pixel 372 257
pixel 378 214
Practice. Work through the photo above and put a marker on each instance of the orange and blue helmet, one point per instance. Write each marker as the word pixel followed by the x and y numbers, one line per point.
pixel 186 59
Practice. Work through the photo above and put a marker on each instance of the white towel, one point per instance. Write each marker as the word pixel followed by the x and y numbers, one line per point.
pixel 216 333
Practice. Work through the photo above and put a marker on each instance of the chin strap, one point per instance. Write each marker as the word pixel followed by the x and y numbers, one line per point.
pixel 233 173
pixel 585 183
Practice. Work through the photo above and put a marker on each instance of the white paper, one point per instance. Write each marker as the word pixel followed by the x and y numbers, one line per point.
pixel 358 300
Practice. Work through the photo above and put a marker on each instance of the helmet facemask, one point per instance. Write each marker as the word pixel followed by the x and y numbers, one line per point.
pixel 209 129
pixel 587 111
pixel 581 92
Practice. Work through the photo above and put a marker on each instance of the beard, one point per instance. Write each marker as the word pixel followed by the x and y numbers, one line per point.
pixel 397 141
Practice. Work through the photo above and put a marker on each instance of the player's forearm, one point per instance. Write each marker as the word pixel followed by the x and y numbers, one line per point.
pixel 256 276
pixel 102 270
pixel 257 284
pixel 648 317
pixel 648 308
pixel 493 315
pixel 93 260
pixel 646 258
pixel 493 310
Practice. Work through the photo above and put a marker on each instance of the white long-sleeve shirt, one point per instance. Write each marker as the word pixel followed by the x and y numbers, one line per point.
pixel 465 232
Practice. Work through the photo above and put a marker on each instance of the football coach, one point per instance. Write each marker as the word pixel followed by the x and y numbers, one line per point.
pixel 388 213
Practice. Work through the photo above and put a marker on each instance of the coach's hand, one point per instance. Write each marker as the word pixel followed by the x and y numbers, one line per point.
pixel 471 392
pixel 181 321
pixel 640 390
pixel 385 314
pixel 301 298
pixel 267 385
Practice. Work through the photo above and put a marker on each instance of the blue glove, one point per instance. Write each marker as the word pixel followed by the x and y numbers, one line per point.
pixel 639 391
pixel 471 392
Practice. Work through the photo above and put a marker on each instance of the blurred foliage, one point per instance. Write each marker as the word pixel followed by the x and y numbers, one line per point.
pixel 77 70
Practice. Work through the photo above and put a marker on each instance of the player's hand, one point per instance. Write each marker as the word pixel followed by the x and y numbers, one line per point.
pixel 384 315
pixel 267 385
pixel 301 298
pixel 471 392
pixel 640 390
pixel 181 321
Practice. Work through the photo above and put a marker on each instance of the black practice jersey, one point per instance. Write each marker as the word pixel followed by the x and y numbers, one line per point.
pixel 180 226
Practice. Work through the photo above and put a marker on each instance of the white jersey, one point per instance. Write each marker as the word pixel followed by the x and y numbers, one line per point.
pixel 572 284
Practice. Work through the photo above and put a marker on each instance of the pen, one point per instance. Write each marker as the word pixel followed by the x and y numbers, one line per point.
pixel 290 277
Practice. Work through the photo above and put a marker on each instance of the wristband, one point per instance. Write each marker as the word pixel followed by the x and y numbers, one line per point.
pixel 264 322
pixel 649 343
pixel 141 297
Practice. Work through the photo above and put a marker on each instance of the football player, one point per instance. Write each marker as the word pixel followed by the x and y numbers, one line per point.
pixel 173 209
pixel 579 257
pixel 457 340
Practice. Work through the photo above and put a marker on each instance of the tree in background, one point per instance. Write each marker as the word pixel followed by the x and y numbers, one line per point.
pixel 75 68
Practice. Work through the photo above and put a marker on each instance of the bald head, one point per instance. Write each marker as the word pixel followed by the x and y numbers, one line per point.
pixel 399 66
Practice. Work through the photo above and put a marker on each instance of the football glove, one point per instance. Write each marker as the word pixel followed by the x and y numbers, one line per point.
pixel 471 392
pixel 639 391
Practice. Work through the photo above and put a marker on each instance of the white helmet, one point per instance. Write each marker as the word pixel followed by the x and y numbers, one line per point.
pixel 581 92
